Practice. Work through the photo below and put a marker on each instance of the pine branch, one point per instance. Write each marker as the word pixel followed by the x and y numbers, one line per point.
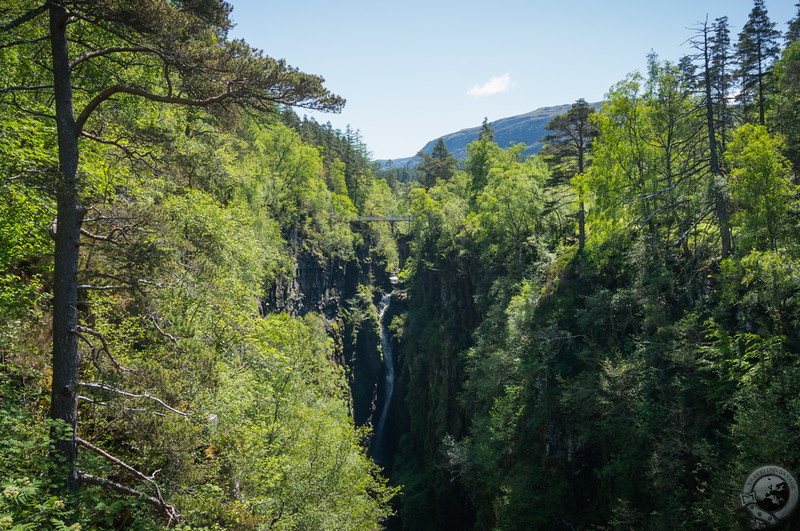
pixel 33 13
pixel 107 51
pixel 80 121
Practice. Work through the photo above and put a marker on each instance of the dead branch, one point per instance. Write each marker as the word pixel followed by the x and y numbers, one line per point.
pixel 96 385
pixel 119 462
pixel 131 409
pixel 108 218
pixel 109 238
pixel 169 336
pixel 95 352
pixel 92 350
pixel 165 510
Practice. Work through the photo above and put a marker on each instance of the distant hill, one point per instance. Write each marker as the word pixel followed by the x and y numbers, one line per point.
pixel 526 128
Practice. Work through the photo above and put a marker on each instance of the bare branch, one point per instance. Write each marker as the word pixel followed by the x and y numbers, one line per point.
pixel 160 330
pixel 95 385
pixel 92 350
pixel 94 333
pixel 166 510
pixel 133 409
pixel 108 218
pixel 109 238
pixel 33 13
pixel 101 140
pixel 129 468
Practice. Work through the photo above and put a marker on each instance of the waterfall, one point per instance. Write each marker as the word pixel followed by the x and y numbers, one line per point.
pixel 388 389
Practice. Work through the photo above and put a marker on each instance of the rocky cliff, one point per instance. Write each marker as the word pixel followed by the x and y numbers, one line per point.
pixel 343 290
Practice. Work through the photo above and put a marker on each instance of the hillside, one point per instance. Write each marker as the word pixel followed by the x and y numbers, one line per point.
pixel 526 128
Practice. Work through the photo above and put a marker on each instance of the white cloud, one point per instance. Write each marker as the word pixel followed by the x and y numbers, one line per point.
pixel 496 85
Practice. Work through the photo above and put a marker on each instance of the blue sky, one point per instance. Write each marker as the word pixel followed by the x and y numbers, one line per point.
pixel 415 70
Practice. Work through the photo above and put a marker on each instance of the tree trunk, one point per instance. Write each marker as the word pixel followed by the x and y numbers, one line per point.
pixel 720 207
pixel 64 402
pixel 581 226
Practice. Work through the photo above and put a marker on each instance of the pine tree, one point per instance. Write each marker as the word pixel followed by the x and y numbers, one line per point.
pixel 568 149
pixel 756 52
pixel 486 133
pixel 721 78
pixel 793 33
pixel 440 165
pixel 712 66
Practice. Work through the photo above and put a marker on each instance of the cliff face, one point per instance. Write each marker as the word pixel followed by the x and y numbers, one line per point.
pixel 336 287
pixel 323 283
pixel 441 316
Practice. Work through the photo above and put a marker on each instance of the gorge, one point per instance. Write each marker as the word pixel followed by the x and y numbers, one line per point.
pixel 216 314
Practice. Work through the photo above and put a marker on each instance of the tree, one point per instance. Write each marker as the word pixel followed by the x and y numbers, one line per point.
pixel 793 33
pixel 785 109
pixel 760 187
pixel 479 158
pixel 438 166
pixel 650 165
pixel 157 51
pixel 486 132
pixel 712 55
pixel 721 79
pixel 756 51
pixel 568 149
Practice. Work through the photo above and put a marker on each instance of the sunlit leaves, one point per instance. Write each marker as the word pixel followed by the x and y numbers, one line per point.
pixel 759 186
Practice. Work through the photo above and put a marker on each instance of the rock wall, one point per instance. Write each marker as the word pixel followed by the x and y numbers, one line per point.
pixel 334 288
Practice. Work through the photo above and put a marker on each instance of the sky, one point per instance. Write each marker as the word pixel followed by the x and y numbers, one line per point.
pixel 415 70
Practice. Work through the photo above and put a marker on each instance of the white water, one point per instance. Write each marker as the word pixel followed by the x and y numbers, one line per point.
pixel 388 388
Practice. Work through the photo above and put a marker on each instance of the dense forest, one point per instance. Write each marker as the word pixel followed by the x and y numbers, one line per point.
pixel 601 336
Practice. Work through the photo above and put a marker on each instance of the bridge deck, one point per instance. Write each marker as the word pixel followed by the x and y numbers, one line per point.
pixel 389 218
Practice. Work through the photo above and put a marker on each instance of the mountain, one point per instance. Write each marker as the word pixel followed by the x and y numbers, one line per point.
pixel 526 128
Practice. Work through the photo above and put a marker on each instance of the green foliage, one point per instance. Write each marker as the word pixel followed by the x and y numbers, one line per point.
pixel 759 187
pixel 244 421
pixel 279 425
pixel 438 166
pixel 784 112
pixel 649 170
pixel 636 382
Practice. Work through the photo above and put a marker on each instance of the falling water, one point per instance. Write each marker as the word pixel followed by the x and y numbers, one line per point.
pixel 388 389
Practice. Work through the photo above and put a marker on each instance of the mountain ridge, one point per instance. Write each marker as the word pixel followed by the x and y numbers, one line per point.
pixel 527 128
